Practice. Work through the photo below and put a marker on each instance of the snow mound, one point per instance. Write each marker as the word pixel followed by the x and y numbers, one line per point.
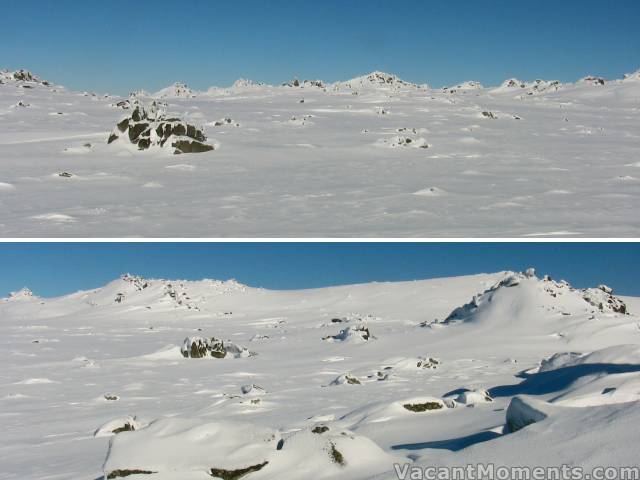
pixel 243 84
pixel 474 397
pixel 531 294
pixel 464 87
pixel 632 77
pixel 117 425
pixel 614 355
pixel 399 409
pixel 20 295
pixel 177 90
pixel 189 449
pixel 376 80
pixel 201 347
pixel 151 128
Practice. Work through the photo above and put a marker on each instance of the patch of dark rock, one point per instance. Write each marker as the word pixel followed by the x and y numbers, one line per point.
pixel 183 137
pixel 422 407
pixel 65 174
pixel 126 472
pixel 320 429
pixel 111 398
pixel 336 456
pixel 490 115
pixel 127 427
pixel 225 474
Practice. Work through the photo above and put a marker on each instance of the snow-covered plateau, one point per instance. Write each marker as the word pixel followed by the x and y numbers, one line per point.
pixel 164 380
pixel 374 156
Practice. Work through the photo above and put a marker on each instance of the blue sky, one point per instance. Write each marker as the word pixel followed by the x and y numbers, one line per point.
pixel 121 45
pixel 56 268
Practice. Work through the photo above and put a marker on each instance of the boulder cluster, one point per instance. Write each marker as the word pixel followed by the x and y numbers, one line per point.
pixel 201 347
pixel 21 76
pixel 150 128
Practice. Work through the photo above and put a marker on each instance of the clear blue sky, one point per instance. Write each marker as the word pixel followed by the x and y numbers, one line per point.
pixel 122 45
pixel 54 269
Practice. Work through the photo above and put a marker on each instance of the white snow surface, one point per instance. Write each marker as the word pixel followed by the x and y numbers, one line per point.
pixel 533 353
pixel 527 159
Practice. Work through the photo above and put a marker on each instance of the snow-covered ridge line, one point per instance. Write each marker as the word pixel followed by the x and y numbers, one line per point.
pixel 373 80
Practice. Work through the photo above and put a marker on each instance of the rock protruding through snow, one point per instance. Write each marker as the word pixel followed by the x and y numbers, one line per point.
pixel 151 128
pixel 202 347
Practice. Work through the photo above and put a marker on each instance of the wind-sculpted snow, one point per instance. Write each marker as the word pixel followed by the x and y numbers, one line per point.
pixel 97 383
pixel 372 156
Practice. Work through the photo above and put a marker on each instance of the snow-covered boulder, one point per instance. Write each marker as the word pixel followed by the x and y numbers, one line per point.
pixel 524 411
pixel 474 397
pixel 150 128
pixel 355 333
pixel 403 142
pixel 346 379
pixel 201 347
pixel 191 449
pixel 117 425
pixel 252 390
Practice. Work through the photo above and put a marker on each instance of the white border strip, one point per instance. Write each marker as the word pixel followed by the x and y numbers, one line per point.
pixel 319 240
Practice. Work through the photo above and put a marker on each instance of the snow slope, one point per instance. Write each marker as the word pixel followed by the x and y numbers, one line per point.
pixel 529 372
pixel 530 159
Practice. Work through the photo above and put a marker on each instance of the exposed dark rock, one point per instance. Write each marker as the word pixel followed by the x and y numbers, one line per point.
pixel 225 474
pixel 126 472
pixel 336 456
pixel 320 429
pixel 191 146
pixel 148 128
pixel 422 407
pixel 201 347
pixel 127 427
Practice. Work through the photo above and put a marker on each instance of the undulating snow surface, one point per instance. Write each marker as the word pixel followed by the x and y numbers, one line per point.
pixel 338 382
pixel 372 156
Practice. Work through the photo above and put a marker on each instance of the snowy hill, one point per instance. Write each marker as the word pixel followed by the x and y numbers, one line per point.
pixel 194 379
pixel 376 81
pixel 177 90
pixel 526 159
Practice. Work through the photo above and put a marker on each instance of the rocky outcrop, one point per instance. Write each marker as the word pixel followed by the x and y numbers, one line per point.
pixel 201 347
pixel 603 298
pixel 151 128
